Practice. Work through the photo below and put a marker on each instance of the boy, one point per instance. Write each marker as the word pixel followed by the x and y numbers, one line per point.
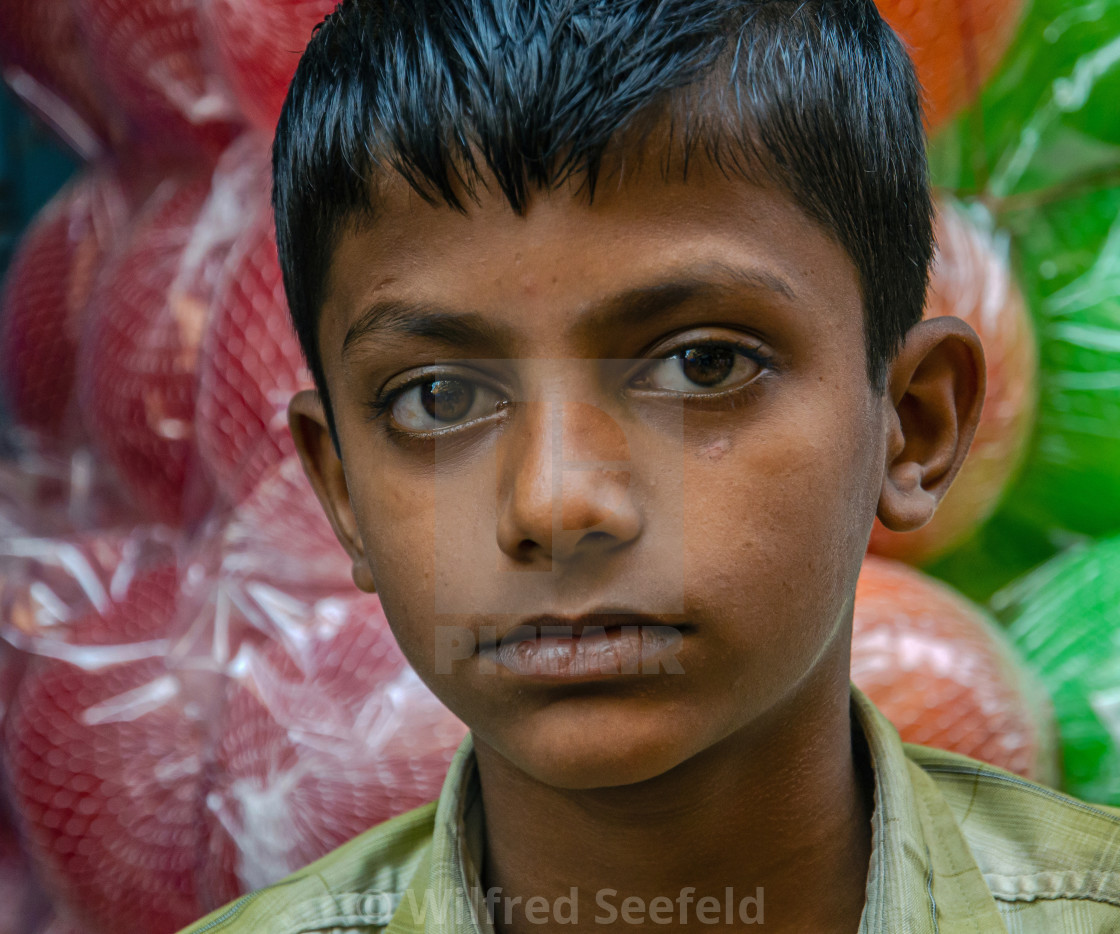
pixel 614 309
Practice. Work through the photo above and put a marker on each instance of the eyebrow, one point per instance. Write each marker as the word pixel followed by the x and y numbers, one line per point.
pixel 467 330
pixel 464 330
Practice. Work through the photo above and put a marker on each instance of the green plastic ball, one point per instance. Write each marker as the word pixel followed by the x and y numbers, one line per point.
pixel 1064 618
pixel 1049 112
pixel 1069 261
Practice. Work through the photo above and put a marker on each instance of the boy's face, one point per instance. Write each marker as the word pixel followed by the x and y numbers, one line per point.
pixel 755 405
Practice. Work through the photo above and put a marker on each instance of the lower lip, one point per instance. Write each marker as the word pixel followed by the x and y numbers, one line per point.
pixel 593 654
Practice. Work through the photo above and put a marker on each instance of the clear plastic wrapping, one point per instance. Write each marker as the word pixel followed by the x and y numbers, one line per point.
pixel 152 61
pixel 144 326
pixel 120 76
pixel 55 482
pixel 45 294
pixel 279 533
pixel 1065 620
pixel 185 730
pixel 251 367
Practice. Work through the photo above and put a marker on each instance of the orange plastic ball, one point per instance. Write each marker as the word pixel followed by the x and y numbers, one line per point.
pixel 945 675
pixel 955 44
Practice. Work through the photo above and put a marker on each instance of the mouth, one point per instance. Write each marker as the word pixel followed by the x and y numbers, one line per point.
pixel 589 647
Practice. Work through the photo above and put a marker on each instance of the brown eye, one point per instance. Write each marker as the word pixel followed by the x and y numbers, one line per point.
pixel 447 400
pixel 703 369
pixel 707 366
pixel 442 403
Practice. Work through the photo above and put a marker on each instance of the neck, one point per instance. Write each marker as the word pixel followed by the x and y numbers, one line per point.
pixel 783 806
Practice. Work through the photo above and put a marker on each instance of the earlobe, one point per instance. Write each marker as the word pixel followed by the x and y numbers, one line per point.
pixel 321 463
pixel 934 397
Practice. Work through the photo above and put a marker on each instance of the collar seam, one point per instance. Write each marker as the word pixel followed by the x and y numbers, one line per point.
pixel 1001 883
pixel 995 778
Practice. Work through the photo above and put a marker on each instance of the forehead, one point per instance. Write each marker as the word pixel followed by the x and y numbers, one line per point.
pixel 567 253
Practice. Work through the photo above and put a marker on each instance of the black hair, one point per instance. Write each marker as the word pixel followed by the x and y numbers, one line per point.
pixel 818 97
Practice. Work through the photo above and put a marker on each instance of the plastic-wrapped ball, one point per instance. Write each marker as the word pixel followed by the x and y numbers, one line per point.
pixel 45 296
pixel 1071 477
pixel 972 280
pixel 106 762
pixel 279 534
pixel 251 367
pixel 259 43
pixel 329 734
pixel 150 55
pixel 139 360
pixel 955 44
pixel 944 674
pixel 167 753
pixel 45 63
pixel 136 825
pixel 1064 618
pixel 1045 123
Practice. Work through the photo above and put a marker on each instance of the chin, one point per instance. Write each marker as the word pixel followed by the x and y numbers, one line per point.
pixel 584 753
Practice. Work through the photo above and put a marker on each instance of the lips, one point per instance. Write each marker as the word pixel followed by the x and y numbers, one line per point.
pixel 548 625
pixel 589 647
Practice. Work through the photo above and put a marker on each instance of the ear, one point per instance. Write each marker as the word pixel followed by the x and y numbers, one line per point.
pixel 936 391
pixel 308 424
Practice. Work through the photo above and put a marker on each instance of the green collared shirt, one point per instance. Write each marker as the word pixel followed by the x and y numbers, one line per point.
pixel 957 846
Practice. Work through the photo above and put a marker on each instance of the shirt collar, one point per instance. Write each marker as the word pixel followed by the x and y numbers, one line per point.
pixel 922 877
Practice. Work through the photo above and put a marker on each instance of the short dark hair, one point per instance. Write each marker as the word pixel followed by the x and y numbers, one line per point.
pixel 816 96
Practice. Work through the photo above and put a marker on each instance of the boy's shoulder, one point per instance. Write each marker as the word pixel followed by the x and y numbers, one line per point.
pixel 963 846
pixel 959 846
pixel 359 885
pixel 1050 861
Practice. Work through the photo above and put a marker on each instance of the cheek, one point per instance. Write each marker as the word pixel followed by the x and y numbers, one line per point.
pixel 401 510
pixel 777 521
pixel 396 516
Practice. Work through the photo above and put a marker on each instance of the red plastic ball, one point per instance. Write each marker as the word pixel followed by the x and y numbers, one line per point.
pixel 328 735
pixel 45 297
pixel 167 754
pixel 150 56
pixel 138 361
pixel 46 64
pixel 955 44
pixel 106 760
pixel 259 43
pixel 251 367
pixel 280 535
pixel 945 675
pixel 972 280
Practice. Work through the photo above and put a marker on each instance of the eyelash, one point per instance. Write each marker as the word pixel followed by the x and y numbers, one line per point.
pixel 376 408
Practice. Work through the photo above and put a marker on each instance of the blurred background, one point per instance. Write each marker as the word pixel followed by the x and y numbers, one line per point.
pixel 195 701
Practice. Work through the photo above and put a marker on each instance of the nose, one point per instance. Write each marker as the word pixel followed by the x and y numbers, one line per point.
pixel 565 490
